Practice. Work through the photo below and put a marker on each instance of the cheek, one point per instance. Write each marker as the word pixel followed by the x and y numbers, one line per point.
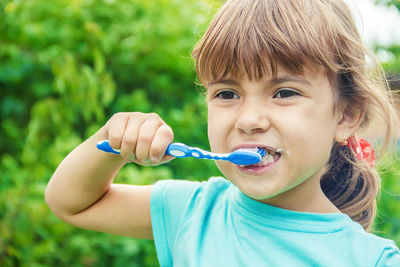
pixel 310 133
pixel 215 128
pixel 211 135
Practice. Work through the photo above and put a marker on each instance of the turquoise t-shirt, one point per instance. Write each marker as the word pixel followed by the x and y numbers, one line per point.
pixel 212 223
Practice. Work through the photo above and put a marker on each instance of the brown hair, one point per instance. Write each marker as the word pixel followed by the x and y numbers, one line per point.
pixel 253 37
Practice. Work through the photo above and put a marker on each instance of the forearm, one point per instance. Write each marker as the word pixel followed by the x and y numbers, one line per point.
pixel 82 178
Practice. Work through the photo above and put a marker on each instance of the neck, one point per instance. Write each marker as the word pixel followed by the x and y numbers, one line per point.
pixel 305 197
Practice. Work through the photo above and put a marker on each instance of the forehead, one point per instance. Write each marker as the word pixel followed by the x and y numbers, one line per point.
pixel 310 75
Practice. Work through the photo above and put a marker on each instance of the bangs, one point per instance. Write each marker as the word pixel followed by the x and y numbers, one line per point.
pixel 254 37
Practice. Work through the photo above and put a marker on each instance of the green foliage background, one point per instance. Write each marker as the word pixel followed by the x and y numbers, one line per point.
pixel 65 67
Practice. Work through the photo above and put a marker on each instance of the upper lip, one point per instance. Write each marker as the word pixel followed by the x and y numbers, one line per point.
pixel 254 145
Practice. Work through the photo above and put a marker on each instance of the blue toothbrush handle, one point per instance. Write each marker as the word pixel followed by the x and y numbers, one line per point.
pixel 178 150
pixel 105 146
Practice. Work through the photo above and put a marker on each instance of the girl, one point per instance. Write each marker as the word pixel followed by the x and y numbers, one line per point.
pixel 281 75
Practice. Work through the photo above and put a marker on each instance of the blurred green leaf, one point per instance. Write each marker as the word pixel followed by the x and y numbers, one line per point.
pixel 66 67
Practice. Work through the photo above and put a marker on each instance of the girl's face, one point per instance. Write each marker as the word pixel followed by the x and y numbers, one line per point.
pixel 292 112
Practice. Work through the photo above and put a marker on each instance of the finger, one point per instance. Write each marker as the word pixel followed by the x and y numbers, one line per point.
pixel 129 140
pixel 145 138
pixel 116 128
pixel 165 159
pixel 162 138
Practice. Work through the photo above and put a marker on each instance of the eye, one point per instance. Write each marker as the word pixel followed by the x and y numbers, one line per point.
pixel 286 93
pixel 227 94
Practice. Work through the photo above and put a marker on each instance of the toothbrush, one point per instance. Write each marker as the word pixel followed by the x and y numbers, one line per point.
pixel 179 150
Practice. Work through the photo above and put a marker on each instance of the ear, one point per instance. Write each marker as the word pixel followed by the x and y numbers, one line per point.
pixel 349 120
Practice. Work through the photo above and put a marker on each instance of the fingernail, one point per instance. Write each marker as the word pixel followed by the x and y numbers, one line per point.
pixel 154 159
pixel 147 161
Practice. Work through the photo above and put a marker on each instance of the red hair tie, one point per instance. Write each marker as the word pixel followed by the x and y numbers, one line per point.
pixel 362 148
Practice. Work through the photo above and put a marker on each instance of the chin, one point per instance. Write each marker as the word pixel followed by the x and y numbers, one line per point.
pixel 257 191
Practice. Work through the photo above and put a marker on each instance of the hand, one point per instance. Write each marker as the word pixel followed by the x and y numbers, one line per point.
pixel 142 138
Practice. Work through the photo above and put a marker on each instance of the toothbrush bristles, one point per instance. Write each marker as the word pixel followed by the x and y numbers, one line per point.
pixel 262 152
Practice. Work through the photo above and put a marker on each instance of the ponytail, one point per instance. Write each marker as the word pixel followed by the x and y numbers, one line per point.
pixel 351 185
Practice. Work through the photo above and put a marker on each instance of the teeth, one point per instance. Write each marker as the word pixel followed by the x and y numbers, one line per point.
pixel 271 156
pixel 268 159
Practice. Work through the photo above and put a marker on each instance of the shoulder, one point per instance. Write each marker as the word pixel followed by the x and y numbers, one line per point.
pixel 390 255
pixel 372 248
pixel 189 189
pixel 175 203
pixel 178 197
pixel 212 181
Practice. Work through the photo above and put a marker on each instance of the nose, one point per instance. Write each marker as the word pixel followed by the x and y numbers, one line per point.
pixel 252 118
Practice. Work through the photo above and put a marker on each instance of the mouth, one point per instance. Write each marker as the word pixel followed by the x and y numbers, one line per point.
pixel 269 155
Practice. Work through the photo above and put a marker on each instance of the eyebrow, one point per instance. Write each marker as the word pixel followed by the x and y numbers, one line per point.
pixel 225 81
pixel 277 80
pixel 290 78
